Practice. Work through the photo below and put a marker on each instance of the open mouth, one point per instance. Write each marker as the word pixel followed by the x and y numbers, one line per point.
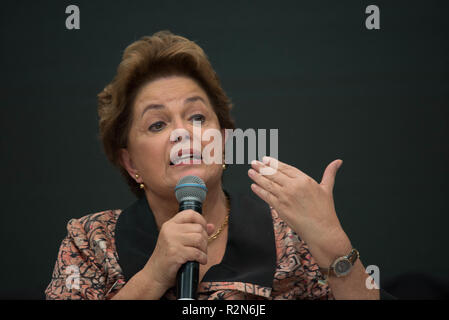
pixel 188 158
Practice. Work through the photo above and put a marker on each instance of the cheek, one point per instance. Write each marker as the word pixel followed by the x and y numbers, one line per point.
pixel 150 154
pixel 214 143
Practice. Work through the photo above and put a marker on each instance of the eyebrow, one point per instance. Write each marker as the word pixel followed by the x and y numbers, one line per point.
pixel 155 106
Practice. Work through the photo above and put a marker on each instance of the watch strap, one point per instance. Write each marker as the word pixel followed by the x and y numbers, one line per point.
pixel 352 258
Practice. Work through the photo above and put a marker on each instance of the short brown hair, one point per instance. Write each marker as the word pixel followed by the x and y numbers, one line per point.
pixel 152 57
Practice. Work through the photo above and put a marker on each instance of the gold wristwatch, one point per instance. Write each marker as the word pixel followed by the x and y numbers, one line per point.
pixel 341 266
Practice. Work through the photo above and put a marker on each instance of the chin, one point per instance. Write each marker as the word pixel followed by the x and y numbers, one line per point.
pixel 207 174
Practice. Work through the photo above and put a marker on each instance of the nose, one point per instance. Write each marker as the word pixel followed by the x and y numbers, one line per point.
pixel 180 138
pixel 180 134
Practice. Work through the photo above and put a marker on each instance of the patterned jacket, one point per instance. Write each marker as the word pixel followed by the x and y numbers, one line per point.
pixel 264 257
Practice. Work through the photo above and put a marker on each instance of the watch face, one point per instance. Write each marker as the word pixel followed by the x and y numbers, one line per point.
pixel 342 267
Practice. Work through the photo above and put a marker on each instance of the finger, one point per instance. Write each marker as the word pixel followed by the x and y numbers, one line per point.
pixel 193 254
pixel 192 228
pixel 264 182
pixel 263 194
pixel 190 216
pixel 189 228
pixel 195 240
pixel 278 177
pixel 329 174
pixel 286 169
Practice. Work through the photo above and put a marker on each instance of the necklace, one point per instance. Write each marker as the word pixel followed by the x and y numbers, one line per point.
pixel 223 225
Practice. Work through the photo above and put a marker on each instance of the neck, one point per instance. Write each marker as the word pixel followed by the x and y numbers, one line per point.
pixel 165 208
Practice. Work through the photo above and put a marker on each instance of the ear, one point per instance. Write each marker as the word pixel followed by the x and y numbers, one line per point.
pixel 127 163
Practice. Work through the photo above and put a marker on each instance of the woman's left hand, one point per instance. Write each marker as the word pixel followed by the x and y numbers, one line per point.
pixel 306 206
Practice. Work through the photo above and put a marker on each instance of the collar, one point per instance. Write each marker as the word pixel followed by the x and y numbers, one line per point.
pixel 250 255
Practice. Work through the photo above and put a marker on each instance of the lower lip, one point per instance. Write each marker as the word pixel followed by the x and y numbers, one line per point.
pixel 185 164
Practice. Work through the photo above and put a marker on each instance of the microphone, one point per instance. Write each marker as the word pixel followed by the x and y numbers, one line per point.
pixel 190 193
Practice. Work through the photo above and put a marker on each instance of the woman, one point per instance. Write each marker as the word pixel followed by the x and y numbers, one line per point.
pixel 276 248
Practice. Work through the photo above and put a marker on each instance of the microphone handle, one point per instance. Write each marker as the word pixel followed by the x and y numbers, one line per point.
pixel 188 274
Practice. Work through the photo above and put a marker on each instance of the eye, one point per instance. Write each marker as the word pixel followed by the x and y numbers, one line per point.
pixel 198 117
pixel 157 126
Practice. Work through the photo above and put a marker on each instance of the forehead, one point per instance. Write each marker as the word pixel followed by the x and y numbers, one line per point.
pixel 166 90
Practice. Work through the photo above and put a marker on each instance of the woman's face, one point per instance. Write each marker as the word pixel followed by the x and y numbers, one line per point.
pixel 160 107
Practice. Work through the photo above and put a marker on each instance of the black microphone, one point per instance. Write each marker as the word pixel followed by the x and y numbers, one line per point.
pixel 190 193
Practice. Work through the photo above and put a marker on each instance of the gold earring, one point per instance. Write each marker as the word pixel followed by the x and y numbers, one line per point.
pixel 142 186
pixel 224 164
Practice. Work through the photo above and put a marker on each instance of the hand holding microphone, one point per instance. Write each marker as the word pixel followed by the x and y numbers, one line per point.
pixel 182 241
pixel 190 193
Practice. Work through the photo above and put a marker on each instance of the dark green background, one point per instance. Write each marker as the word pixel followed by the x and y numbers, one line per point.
pixel 378 99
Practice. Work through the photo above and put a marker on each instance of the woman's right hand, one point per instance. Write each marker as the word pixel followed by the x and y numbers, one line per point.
pixel 182 238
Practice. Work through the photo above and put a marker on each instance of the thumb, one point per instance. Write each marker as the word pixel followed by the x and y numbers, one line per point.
pixel 210 228
pixel 330 173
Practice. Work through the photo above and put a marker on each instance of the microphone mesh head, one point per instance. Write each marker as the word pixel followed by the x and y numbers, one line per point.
pixel 190 188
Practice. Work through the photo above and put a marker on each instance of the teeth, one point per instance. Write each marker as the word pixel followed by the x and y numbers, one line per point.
pixel 185 157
